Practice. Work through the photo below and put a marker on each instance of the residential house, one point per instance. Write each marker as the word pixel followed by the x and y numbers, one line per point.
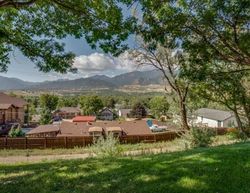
pixel 214 118
pixel 12 109
pixel 67 112
pixel 124 113
pixel 106 114
pixel 118 128
pixel 44 131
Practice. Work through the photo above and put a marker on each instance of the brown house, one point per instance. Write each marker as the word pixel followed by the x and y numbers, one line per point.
pixel 12 109
pixel 44 131
pixel 67 112
pixel 139 127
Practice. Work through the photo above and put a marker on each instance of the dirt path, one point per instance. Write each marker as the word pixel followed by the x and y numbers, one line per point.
pixel 39 158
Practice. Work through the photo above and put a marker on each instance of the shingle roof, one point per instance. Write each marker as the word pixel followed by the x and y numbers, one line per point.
pixel 69 110
pixel 214 114
pixel 5 106
pixel 95 129
pixel 44 129
pixel 113 129
pixel 6 99
pixel 82 129
pixel 105 109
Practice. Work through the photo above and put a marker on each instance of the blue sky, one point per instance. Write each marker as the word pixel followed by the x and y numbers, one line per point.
pixel 88 61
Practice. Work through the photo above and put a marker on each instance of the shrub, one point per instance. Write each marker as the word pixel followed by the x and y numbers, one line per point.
pixel 198 137
pixel 106 147
pixel 16 132
pixel 234 133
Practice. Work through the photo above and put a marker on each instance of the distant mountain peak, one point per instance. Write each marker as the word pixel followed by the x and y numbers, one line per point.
pixel 93 82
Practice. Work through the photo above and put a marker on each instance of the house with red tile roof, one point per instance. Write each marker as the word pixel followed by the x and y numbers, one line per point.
pixel 12 109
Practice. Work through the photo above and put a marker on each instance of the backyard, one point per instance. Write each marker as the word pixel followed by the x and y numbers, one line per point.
pixel 208 170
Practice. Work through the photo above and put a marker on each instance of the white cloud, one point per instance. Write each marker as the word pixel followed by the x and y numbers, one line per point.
pixel 98 64
pixel 95 62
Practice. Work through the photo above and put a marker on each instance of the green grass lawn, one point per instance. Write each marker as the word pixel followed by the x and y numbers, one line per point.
pixel 224 169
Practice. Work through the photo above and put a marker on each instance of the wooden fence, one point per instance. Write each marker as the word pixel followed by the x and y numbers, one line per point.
pixel 70 142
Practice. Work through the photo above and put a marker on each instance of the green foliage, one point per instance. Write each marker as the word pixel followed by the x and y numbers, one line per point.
pixel 99 22
pixel 16 132
pixel 106 147
pixel 46 117
pixel 159 106
pixel 207 29
pixel 67 102
pixel 90 105
pixel 198 137
pixel 48 102
pixel 109 102
pixel 138 111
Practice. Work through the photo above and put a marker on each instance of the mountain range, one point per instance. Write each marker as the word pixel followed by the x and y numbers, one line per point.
pixel 141 78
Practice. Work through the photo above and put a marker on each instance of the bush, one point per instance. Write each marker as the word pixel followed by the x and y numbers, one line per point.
pixel 234 133
pixel 106 147
pixel 16 132
pixel 198 137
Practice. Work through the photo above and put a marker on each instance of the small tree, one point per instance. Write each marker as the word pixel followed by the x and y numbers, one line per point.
pixel 49 102
pixel 46 117
pixel 106 148
pixel 110 102
pixel 159 106
pixel 90 105
pixel 138 111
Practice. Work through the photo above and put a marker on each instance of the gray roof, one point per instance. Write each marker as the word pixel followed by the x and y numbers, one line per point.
pixel 104 109
pixel 214 114
pixel 69 110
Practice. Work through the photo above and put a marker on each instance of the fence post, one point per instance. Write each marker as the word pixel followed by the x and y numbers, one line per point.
pixel 45 142
pixel 84 143
pixel 65 142
pixel 6 143
pixel 26 143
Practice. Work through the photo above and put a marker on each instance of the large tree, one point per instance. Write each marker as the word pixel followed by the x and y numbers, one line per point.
pixel 91 105
pixel 35 26
pixel 170 63
pixel 138 111
pixel 159 106
pixel 208 30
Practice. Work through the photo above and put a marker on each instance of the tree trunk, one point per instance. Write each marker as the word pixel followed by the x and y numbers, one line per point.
pixel 238 120
pixel 246 108
pixel 183 112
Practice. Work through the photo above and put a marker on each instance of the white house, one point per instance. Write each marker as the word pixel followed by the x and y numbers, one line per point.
pixel 106 114
pixel 215 118
pixel 124 112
